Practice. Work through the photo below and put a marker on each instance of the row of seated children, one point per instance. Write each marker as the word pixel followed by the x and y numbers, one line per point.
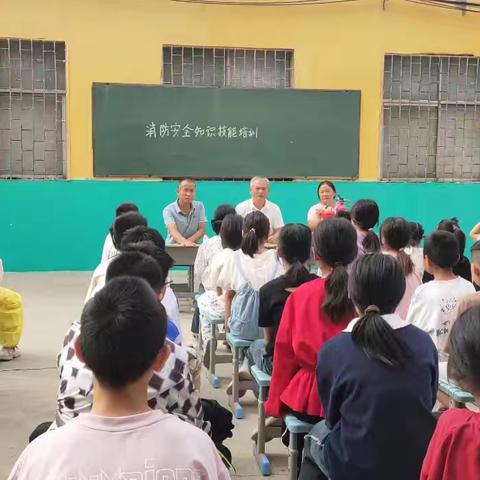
pixel 128 217
pixel 122 344
pixel 308 319
pixel 378 382
pixel 171 388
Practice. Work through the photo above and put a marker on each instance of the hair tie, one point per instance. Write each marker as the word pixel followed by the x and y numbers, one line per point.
pixel 372 309
pixel 337 264
pixel 252 230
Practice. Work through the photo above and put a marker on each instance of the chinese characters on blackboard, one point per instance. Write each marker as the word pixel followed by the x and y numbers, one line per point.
pixel 175 130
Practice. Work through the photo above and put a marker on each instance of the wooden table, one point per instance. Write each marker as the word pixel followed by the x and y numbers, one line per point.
pixel 184 257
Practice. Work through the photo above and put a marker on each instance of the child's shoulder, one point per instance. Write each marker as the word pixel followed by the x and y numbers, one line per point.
pixel 455 420
pixel 315 285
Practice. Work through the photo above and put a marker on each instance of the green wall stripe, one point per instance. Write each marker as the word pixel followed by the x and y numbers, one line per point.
pixel 61 225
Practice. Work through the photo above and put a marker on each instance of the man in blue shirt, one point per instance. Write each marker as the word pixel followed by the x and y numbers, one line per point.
pixel 185 218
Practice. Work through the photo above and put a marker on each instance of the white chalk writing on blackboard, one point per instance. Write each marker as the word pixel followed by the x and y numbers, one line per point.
pixel 174 130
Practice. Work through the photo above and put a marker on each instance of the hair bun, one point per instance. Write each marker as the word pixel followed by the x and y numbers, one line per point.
pixel 372 309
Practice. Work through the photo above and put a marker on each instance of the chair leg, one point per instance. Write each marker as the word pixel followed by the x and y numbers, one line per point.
pixel 237 409
pixel 292 457
pixel 262 460
pixel 261 421
pixel 235 374
pixel 214 380
pixel 213 348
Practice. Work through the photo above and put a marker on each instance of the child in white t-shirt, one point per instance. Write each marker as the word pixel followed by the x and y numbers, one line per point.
pixel 434 304
pixel 109 249
pixel 211 303
pixel 120 226
pixel 414 249
pixel 213 245
pixel 253 263
pixel 122 341
pixel 209 248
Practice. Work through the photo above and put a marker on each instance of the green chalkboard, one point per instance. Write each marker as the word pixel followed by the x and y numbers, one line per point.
pixel 150 130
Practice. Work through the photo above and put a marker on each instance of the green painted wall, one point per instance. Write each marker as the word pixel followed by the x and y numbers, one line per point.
pixel 61 225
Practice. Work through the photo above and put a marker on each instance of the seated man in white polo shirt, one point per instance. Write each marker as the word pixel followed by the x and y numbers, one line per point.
pixel 259 189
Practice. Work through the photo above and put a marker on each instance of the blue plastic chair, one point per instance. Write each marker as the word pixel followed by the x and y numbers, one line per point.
pixel 295 428
pixel 215 358
pixel 237 345
pixel 457 397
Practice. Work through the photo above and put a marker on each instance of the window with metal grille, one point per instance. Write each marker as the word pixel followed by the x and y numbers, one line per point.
pixel 32 109
pixel 431 118
pixel 227 67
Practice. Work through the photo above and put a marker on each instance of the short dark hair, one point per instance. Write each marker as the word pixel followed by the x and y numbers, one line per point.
pixel 451 225
pixel 149 248
pixel 143 233
pixel 188 180
pixel 123 223
pixel 416 232
pixel 295 247
pixel 335 242
pixel 125 208
pixel 137 264
pixel 123 330
pixel 441 248
pixel 231 231
pixel 220 213
pixel 464 350
pixel 256 227
pixel 378 280
pixel 344 214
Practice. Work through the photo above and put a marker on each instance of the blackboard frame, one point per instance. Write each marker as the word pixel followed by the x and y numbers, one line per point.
pixel 98 174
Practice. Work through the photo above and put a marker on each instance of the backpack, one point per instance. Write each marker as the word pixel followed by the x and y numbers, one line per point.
pixel 243 322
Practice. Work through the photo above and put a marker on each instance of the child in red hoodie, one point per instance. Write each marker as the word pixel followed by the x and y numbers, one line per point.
pixel 454 451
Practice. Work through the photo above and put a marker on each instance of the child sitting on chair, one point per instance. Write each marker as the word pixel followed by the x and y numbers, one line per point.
pixel 294 250
pixel 122 341
pixel 211 303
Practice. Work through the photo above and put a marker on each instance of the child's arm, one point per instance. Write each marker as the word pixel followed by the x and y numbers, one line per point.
pixel 420 315
pixel 328 392
pixel 198 234
pixel 229 296
pixel 475 232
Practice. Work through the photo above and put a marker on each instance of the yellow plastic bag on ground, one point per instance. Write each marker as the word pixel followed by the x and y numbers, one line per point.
pixel 11 317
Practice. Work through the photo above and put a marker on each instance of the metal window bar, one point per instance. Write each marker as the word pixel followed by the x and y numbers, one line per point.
pixel 431 118
pixel 32 109
pixel 227 67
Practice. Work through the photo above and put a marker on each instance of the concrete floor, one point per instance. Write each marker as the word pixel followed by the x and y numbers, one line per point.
pixel 28 384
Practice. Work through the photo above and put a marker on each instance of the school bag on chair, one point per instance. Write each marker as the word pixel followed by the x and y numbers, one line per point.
pixel 243 322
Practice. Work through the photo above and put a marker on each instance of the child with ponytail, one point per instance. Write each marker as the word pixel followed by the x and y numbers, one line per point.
pixel 378 382
pixel 253 263
pixel 314 312
pixel 394 237
pixel 365 215
pixel 294 250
